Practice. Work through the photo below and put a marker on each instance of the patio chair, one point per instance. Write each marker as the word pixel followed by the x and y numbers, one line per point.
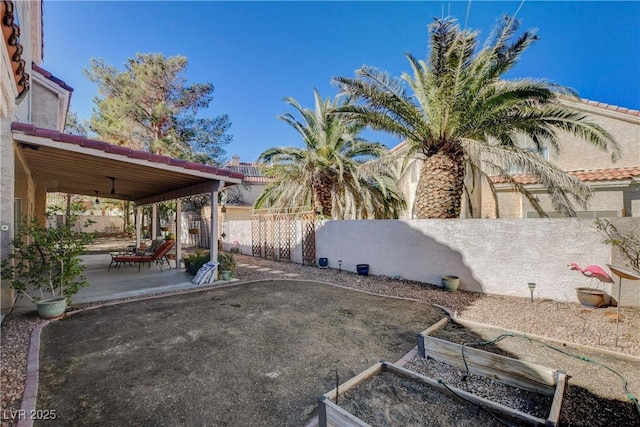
pixel 159 257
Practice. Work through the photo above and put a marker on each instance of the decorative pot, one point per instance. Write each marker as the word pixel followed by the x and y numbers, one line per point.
pixel 590 297
pixel 363 269
pixel 227 274
pixel 323 262
pixel 51 308
pixel 450 283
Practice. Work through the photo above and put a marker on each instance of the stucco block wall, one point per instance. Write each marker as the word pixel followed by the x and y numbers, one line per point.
pixel 493 256
pixel 490 256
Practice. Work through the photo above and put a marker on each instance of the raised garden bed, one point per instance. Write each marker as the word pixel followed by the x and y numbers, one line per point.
pixel 450 384
pixel 368 398
pixel 602 381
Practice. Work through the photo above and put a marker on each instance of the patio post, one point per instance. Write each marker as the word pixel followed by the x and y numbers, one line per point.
pixel 178 232
pixel 154 221
pixel 138 225
pixel 213 231
pixel 213 237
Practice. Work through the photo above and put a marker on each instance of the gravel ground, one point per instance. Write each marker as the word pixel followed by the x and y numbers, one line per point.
pixel 564 321
pixel 534 404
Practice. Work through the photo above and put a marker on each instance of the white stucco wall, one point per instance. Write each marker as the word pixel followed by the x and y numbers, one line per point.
pixel 493 256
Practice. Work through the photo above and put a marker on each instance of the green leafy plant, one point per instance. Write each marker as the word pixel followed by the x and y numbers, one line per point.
pixel 193 262
pixel 627 242
pixel 44 262
pixel 227 261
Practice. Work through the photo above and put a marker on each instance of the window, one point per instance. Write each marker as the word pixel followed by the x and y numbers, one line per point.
pixel 526 143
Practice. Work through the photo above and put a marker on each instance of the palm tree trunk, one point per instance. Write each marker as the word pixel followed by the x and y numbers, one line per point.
pixel 322 196
pixel 440 187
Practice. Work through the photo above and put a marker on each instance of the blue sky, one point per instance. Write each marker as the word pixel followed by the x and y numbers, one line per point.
pixel 257 53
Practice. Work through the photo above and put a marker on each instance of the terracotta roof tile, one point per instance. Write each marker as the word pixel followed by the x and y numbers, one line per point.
pixel 29 129
pixel 611 107
pixel 257 179
pixel 11 36
pixel 251 171
pixel 611 174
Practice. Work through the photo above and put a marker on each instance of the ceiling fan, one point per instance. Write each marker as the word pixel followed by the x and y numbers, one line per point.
pixel 113 191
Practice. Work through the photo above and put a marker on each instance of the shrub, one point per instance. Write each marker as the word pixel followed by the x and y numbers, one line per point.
pixel 44 262
pixel 628 242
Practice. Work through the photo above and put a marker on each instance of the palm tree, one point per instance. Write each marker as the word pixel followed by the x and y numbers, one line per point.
pixel 337 174
pixel 460 116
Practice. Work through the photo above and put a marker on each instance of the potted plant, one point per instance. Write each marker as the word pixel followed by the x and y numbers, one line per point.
pixel 194 262
pixel 362 269
pixel 45 265
pixel 227 265
pixel 450 283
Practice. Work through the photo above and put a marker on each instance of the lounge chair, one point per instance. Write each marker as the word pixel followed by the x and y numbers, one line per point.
pixel 159 256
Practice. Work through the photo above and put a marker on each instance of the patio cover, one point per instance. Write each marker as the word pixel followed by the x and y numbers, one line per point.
pixel 78 165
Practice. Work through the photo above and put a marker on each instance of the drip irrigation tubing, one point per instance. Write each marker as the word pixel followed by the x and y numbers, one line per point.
pixel 625 384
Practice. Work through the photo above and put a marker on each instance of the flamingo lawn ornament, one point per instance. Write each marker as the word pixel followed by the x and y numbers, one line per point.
pixel 593 271
pixel 592 297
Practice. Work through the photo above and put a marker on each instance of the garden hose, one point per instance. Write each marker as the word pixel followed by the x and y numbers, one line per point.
pixel 625 384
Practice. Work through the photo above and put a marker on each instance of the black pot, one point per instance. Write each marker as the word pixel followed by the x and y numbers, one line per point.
pixel 363 269
pixel 323 262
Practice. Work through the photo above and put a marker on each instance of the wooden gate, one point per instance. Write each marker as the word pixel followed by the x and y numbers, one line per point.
pixel 273 235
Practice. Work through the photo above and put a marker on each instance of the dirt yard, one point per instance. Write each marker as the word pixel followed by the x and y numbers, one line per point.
pixel 249 355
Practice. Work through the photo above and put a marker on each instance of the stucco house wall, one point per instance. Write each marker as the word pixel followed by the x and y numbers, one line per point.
pixel 46 105
pixel 16 184
pixel 619 196
pixel 625 128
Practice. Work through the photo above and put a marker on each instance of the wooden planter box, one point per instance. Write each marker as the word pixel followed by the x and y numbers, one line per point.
pixel 528 376
pixel 513 372
pixel 330 414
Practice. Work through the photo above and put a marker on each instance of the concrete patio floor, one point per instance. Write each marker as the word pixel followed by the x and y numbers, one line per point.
pixel 126 281
pixel 123 282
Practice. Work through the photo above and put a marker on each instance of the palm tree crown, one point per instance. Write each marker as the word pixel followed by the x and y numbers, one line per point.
pixel 337 173
pixel 457 113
